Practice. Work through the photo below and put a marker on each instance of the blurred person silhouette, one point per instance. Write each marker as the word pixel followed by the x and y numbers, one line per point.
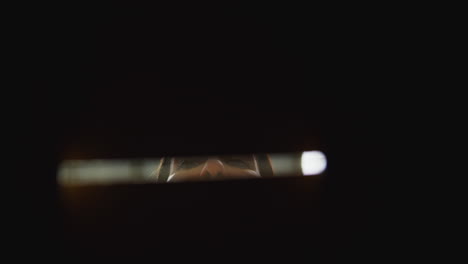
pixel 206 168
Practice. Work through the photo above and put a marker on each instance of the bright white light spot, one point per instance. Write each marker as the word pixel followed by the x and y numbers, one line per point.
pixel 313 162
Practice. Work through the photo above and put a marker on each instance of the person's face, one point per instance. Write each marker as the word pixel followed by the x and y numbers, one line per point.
pixel 213 168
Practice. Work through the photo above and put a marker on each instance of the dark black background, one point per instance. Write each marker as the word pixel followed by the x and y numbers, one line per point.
pixel 144 82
